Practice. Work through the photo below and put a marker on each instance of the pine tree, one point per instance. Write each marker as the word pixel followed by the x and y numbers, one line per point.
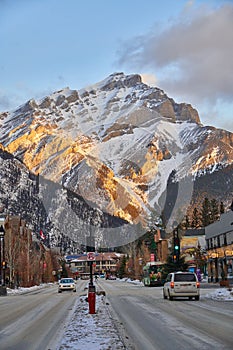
pixel 187 223
pixel 214 210
pixel 170 266
pixel 122 267
pixel 222 208
pixel 196 218
pixel 206 212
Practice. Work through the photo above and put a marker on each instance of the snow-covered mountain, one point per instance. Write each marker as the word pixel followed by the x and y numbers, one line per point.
pixel 118 145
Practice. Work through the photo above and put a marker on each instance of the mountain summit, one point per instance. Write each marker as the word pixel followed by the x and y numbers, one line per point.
pixel 118 144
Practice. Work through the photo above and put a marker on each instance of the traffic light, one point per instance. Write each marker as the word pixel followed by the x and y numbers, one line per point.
pixel 176 245
pixel 176 249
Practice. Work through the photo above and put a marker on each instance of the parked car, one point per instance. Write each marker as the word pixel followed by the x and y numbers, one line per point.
pixel 181 284
pixel 66 284
pixel 110 277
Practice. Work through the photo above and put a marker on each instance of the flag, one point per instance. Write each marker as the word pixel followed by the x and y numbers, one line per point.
pixel 42 236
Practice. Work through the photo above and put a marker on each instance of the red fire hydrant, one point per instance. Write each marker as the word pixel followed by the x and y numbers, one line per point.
pixel 91 299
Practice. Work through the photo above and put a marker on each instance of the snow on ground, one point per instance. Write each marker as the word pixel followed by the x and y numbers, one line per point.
pixel 98 331
pixel 83 330
pixel 91 331
pixel 225 294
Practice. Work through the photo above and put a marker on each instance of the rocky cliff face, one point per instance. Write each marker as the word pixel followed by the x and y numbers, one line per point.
pixel 65 219
pixel 19 192
pixel 115 145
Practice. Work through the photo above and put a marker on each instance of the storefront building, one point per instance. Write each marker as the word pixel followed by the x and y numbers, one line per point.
pixel 219 241
pixel 103 262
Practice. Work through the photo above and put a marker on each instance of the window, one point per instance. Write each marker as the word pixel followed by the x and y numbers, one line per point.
pixel 225 239
pixel 218 241
pixel 185 277
pixel 211 243
pixel 67 280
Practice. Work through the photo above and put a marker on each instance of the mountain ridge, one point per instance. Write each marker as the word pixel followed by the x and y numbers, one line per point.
pixel 115 143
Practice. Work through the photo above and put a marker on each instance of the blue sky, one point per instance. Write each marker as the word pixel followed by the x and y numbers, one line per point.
pixel 184 47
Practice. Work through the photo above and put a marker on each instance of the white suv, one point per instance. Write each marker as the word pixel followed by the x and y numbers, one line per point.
pixel 181 284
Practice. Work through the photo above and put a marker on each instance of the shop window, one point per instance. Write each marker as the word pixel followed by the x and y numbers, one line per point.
pixel 211 243
pixel 225 239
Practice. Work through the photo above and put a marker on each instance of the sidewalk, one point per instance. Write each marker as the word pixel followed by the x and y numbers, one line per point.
pixel 213 285
pixel 210 285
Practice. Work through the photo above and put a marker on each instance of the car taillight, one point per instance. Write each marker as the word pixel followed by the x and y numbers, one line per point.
pixel 172 284
pixel 198 284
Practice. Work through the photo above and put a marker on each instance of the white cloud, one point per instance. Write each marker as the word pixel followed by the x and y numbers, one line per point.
pixel 149 79
pixel 192 57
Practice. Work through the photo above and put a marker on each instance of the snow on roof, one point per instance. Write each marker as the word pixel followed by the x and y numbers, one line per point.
pixel 99 257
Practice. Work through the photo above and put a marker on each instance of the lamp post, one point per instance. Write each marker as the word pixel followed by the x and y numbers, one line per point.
pixel 90 248
pixel 3 290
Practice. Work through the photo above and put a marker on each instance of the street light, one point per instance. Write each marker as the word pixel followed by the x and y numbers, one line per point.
pixel 3 290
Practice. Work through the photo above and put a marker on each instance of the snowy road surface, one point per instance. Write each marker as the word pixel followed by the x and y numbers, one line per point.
pixel 156 324
pixel 31 321
pixel 46 320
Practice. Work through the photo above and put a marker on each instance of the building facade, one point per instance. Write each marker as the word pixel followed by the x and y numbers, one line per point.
pixel 28 261
pixel 219 241
pixel 161 245
pixel 103 262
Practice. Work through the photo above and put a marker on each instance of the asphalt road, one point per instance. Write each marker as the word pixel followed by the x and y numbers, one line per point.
pixel 144 319
pixel 152 323
pixel 33 321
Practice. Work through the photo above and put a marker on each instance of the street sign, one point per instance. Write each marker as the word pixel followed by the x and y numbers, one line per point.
pixel 91 256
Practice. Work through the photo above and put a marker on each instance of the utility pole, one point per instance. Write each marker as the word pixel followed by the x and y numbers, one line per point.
pixel 90 248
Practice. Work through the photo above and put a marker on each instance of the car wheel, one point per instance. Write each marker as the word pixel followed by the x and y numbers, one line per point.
pixel 59 291
pixel 164 296
pixel 197 297
pixel 190 298
pixel 74 290
pixel 169 296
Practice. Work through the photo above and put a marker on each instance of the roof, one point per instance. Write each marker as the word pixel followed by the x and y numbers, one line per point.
pixel 195 232
pixel 99 257
pixel 222 226
pixel 71 257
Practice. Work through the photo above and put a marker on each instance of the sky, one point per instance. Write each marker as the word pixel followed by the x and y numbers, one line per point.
pixel 184 47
